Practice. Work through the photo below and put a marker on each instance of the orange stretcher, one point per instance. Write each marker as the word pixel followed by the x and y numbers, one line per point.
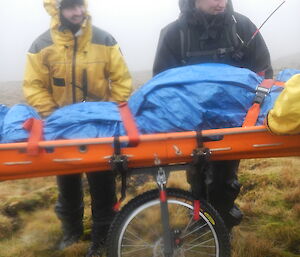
pixel 86 155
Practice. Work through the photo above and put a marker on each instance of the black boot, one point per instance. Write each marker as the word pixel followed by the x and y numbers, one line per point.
pixel 99 234
pixel 97 249
pixel 235 217
pixel 72 231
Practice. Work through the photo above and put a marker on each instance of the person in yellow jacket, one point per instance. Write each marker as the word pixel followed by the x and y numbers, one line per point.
pixel 284 118
pixel 74 62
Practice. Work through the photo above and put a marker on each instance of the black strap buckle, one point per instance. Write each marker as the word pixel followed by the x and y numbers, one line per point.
pixel 201 155
pixel 261 93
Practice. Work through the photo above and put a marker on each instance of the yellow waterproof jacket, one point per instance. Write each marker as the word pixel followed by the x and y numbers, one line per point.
pixel 63 68
pixel 284 118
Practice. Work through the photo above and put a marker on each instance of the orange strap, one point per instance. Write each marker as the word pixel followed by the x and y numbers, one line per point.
pixel 262 90
pixel 35 128
pixel 129 124
pixel 279 83
pixel 252 115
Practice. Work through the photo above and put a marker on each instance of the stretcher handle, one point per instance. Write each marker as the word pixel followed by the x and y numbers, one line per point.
pixel 35 128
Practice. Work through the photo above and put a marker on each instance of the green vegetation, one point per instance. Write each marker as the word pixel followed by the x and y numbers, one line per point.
pixel 270 199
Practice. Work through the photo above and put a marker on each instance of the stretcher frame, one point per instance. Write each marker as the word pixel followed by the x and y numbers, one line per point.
pixel 171 149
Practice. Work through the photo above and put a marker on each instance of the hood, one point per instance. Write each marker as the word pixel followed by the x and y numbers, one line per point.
pixel 52 7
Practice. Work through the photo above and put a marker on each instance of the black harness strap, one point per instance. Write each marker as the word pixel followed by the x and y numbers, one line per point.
pixel 220 52
pixel 119 164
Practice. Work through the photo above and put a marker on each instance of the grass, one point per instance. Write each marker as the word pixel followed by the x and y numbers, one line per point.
pixel 270 199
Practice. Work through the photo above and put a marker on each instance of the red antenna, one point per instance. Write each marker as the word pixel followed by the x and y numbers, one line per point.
pixel 256 32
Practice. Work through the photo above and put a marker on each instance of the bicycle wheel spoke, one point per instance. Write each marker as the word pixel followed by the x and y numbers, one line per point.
pixel 190 224
pixel 137 237
pixel 203 246
pixel 129 240
pixel 200 252
pixel 193 231
pixel 136 245
pixel 134 251
pixel 199 244
pixel 208 232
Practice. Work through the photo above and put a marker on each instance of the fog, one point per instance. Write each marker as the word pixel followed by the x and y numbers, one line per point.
pixel 136 25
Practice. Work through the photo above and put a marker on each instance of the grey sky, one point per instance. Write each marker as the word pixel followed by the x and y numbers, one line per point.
pixel 136 25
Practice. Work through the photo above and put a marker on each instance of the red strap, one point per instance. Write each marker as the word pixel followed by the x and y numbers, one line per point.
pixel 129 124
pixel 196 210
pixel 262 74
pixel 35 128
pixel 253 112
pixel 163 196
pixel 117 206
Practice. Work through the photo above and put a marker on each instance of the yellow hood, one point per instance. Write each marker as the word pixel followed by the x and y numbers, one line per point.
pixel 52 7
pixel 63 38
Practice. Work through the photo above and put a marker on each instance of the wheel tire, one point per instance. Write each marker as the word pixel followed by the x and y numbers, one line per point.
pixel 136 230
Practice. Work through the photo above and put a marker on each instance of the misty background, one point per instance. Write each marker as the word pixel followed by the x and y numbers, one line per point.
pixel 136 25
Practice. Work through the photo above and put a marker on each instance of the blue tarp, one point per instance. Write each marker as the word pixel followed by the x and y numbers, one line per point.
pixel 203 96
pixel 13 121
pixel 197 97
pixel 3 111
pixel 84 120
pixel 286 74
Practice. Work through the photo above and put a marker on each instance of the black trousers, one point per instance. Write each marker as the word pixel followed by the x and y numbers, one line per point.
pixel 219 185
pixel 69 207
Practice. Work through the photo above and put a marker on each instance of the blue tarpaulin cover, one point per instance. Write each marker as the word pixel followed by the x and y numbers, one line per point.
pixel 84 120
pixel 197 97
pixel 286 74
pixel 3 111
pixel 13 121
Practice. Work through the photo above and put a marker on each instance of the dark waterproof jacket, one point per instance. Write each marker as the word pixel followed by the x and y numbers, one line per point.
pixel 197 38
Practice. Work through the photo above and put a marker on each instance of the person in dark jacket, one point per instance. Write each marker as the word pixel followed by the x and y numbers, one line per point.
pixel 210 31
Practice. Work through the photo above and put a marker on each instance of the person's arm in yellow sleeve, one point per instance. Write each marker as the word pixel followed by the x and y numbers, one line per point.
pixel 121 82
pixel 36 86
pixel 284 118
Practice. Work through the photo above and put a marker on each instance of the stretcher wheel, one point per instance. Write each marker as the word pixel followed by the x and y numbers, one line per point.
pixel 137 229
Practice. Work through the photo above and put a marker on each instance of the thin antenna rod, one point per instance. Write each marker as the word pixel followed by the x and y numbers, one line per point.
pixel 256 32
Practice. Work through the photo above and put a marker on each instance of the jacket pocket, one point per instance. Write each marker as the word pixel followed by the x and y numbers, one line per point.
pixel 60 82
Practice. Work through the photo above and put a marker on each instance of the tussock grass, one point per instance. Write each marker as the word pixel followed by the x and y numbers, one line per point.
pixel 249 245
pixel 296 210
pixel 29 202
pixel 6 227
pixel 270 199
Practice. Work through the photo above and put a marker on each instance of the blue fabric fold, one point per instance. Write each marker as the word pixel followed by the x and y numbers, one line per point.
pixel 3 111
pixel 285 75
pixel 12 130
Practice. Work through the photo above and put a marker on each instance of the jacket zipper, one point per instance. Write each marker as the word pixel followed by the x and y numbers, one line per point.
pixel 74 70
pixel 84 85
